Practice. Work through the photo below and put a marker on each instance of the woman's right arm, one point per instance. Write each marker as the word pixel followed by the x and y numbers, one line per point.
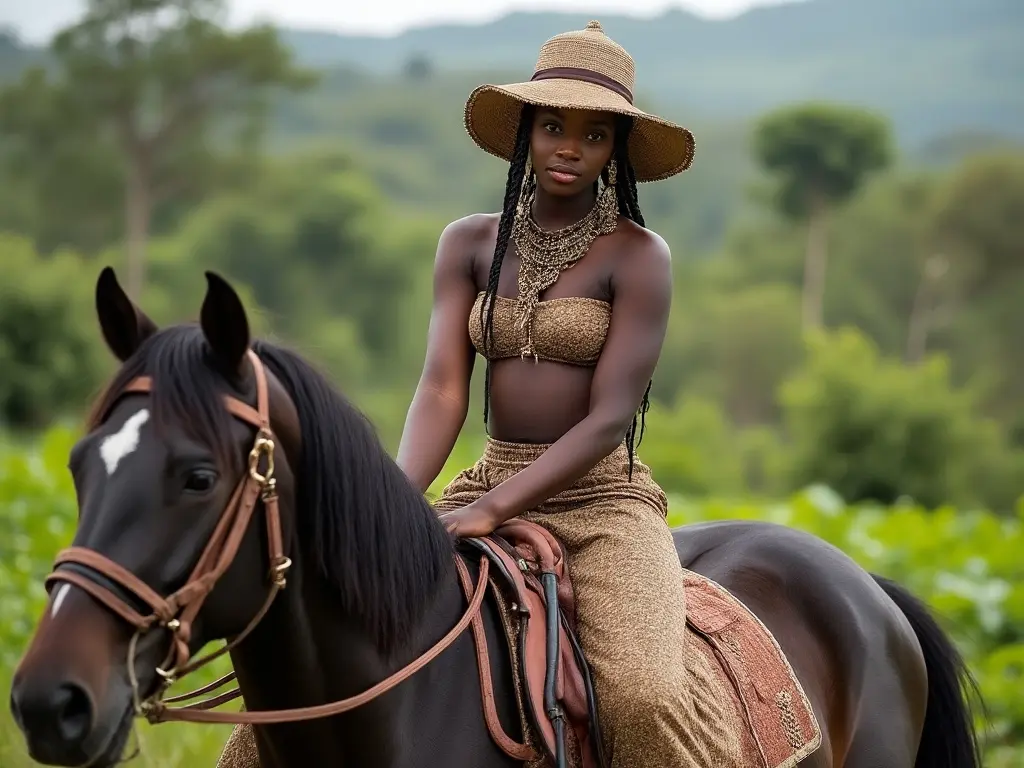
pixel 439 406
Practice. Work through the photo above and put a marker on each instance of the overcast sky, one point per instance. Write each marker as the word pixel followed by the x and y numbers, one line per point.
pixel 37 19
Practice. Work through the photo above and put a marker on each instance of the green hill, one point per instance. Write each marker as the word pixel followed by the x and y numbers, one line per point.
pixel 15 56
pixel 935 66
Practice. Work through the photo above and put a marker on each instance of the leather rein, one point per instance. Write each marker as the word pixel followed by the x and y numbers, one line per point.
pixel 178 611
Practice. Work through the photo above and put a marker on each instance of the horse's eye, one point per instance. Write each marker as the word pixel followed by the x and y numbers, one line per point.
pixel 200 481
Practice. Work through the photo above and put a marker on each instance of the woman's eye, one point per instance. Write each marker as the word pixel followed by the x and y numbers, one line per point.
pixel 200 481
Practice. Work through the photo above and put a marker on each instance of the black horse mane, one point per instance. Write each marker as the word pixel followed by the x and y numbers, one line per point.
pixel 375 538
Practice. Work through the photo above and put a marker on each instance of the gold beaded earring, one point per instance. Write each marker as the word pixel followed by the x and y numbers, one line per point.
pixel 608 200
pixel 526 191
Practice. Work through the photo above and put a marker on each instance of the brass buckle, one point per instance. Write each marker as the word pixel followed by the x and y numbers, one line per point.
pixel 263 446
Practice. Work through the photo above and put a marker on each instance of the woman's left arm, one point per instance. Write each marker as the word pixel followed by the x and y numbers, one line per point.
pixel 640 310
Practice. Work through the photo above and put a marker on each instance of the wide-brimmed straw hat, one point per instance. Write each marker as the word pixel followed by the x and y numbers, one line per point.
pixel 582 69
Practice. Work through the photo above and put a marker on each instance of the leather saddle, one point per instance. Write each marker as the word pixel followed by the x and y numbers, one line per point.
pixel 529 567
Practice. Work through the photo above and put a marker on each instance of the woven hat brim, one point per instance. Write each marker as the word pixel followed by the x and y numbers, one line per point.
pixel 658 148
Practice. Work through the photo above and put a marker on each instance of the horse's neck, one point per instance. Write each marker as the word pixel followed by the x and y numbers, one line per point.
pixel 306 652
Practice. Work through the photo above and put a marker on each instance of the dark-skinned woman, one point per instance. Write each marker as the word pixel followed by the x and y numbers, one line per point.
pixel 567 295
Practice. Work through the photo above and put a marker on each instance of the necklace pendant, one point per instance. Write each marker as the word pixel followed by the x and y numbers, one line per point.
pixel 543 255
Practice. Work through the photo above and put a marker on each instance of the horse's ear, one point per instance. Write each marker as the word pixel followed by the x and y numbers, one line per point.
pixel 124 325
pixel 224 323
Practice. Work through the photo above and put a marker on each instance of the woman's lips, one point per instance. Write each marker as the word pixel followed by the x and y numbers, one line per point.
pixel 562 176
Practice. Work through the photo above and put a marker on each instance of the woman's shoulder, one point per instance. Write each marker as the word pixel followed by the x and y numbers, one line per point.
pixel 473 228
pixel 643 245
pixel 462 240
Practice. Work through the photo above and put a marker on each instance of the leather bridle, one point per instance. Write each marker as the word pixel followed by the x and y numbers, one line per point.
pixel 177 612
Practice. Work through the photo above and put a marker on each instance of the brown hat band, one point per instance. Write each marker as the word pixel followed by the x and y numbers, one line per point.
pixel 587 76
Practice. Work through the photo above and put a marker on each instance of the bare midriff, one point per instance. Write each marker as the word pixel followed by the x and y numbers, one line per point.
pixel 537 402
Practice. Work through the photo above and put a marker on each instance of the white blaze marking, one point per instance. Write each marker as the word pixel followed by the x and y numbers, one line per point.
pixel 61 594
pixel 123 442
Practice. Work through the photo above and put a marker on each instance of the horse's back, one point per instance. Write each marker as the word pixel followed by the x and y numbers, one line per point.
pixel 849 644
pixel 778 568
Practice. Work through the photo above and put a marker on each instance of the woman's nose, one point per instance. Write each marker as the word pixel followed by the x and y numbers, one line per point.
pixel 569 150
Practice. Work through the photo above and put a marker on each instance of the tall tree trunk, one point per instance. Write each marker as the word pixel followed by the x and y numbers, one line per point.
pixel 815 262
pixel 138 209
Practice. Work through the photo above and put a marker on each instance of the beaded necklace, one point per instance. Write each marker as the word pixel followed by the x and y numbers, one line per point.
pixel 545 254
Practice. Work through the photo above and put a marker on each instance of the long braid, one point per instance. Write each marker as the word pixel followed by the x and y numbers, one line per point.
pixel 513 185
pixel 629 207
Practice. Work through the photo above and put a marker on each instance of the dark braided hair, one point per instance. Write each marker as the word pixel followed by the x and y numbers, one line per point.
pixel 629 207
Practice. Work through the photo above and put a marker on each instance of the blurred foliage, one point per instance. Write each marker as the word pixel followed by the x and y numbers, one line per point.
pixel 49 353
pixel 873 429
pixel 332 243
pixel 965 564
pixel 332 264
pixel 905 403
pixel 820 153
pixel 149 83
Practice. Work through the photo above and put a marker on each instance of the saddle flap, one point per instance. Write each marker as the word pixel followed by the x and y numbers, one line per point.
pixel 720 617
pixel 706 612
pixel 522 552
pixel 778 714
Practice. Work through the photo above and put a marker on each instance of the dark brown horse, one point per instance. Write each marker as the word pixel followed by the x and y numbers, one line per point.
pixel 371 583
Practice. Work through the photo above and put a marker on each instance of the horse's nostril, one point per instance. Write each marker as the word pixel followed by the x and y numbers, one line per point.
pixel 56 719
pixel 74 712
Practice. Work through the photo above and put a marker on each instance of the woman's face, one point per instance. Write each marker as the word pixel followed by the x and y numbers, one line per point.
pixel 570 148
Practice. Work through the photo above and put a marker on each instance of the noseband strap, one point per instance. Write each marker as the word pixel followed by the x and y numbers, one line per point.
pixel 92 572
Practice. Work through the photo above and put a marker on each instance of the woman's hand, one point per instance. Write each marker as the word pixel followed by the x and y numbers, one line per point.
pixel 472 521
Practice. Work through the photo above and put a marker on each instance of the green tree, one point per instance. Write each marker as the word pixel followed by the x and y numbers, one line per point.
pixel 62 182
pixel 756 343
pixel 691 448
pixel 312 240
pixel 889 276
pixel 977 224
pixel 161 82
pixel 734 346
pixel 821 155
pixel 875 429
pixel 50 352
pixel 979 217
